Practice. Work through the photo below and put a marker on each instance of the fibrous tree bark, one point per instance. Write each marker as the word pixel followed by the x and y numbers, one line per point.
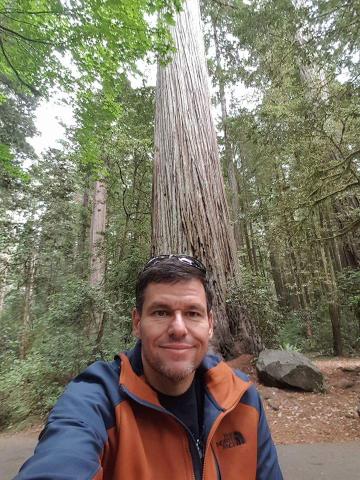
pixel 190 213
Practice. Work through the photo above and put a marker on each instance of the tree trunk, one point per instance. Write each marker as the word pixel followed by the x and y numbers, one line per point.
pixel 190 213
pixel 26 317
pixel 97 252
pixel 334 312
pixel 2 295
pixel 3 278
pixel 83 234
pixel 248 248
pixel 332 290
pixel 276 274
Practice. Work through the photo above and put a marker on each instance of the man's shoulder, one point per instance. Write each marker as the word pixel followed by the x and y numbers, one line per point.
pixel 96 389
pixel 212 361
pixel 102 370
pixel 251 395
pixel 99 379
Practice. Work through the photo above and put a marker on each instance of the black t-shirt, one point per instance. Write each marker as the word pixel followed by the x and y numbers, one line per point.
pixel 187 407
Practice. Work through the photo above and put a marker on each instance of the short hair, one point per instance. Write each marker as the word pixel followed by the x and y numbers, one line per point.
pixel 170 270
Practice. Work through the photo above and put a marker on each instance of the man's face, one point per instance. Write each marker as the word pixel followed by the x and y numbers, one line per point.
pixel 174 327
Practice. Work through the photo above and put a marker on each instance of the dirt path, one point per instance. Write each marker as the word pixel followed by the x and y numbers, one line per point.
pixel 14 450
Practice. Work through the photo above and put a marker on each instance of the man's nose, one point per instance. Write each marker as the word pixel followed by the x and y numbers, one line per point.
pixel 177 326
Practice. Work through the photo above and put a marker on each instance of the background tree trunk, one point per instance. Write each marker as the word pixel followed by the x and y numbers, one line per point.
pixel 3 279
pixel 97 252
pixel 190 213
pixel 83 233
pixel 26 317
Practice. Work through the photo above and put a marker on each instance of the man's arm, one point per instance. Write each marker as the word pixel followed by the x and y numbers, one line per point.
pixel 72 442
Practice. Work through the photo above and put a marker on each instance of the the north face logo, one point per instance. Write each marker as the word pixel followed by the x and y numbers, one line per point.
pixel 230 440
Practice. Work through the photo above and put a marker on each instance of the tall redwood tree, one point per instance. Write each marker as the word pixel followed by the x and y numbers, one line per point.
pixel 190 213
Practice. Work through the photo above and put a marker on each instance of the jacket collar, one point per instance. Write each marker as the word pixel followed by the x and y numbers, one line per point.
pixel 223 385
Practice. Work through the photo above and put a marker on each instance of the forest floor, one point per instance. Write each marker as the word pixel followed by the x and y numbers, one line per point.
pixel 303 417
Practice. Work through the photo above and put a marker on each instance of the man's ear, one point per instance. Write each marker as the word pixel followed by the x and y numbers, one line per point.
pixel 135 315
pixel 211 324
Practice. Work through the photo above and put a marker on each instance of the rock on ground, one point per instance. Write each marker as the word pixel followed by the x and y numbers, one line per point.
pixel 280 368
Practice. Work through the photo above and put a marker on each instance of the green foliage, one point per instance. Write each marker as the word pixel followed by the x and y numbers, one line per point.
pixel 349 286
pixel 289 348
pixel 256 294
pixel 60 350
pixel 27 389
pixel 293 330
pixel 293 333
pixel 17 124
pixel 103 39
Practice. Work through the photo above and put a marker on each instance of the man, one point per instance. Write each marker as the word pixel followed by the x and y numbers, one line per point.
pixel 164 410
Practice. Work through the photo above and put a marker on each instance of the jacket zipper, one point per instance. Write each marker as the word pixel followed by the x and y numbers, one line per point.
pixel 199 450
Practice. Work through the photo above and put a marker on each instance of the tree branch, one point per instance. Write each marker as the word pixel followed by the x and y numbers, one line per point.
pixel 342 232
pixel 352 155
pixel 225 4
pixel 17 74
pixel 331 194
pixel 27 39
pixel 40 12
pixel 354 173
pixel 23 22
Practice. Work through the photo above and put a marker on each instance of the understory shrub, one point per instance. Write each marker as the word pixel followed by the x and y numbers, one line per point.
pixel 59 350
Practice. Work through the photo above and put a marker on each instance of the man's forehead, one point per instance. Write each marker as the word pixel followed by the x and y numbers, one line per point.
pixel 191 290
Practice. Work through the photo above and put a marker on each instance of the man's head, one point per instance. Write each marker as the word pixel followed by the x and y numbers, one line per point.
pixel 171 269
pixel 173 319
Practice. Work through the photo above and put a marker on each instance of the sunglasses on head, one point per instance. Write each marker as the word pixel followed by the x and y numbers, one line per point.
pixel 185 259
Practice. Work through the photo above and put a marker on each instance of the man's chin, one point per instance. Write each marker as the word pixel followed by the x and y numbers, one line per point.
pixel 177 374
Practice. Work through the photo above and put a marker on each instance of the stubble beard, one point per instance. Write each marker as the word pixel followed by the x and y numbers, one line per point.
pixel 175 375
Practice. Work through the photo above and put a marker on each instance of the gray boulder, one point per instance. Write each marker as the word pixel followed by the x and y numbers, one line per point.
pixel 279 368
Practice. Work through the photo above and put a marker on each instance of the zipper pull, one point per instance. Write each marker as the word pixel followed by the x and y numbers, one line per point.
pixel 199 448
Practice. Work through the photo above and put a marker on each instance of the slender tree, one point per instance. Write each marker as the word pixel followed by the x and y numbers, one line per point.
pixel 26 315
pixel 97 250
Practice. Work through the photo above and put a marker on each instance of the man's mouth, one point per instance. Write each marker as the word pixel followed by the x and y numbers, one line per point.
pixel 177 346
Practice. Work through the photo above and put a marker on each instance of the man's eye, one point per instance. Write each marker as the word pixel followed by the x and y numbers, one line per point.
pixel 193 314
pixel 161 313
